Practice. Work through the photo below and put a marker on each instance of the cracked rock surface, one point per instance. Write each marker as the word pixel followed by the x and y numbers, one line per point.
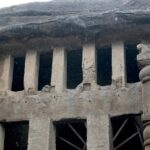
pixel 87 19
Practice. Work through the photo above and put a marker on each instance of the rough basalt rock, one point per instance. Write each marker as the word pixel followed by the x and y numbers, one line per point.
pixel 87 19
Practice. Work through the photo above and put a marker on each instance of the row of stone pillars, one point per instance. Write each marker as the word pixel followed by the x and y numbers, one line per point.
pixel 42 135
pixel 59 67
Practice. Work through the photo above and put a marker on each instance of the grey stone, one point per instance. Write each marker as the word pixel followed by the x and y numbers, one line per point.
pixel 83 18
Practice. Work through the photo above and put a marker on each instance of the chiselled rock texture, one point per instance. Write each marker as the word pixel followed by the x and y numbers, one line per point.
pixel 41 134
pixel 31 70
pixel 98 122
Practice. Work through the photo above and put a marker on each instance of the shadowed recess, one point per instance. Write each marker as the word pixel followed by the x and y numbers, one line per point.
pixel 16 135
pixel 104 65
pixel 18 74
pixel 74 68
pixel 132 69
pixel 71 135
pixel 45 69
pixel 127 132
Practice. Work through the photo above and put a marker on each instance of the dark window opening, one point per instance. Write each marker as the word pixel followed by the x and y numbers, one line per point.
pixel 132 69
pixel 16 136
pixel 18 74
pixel 71 135
pixel 104 66
pixel 45 69
pixel 127 132
pixel 74 68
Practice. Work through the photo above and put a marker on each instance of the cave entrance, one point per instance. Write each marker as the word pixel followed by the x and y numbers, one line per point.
pixel 45 69
pixel 104 65
pixel 132 69
pixel 127 133
pixel 74 68
pixel 18 74
pixel 16 135
pixel 71 135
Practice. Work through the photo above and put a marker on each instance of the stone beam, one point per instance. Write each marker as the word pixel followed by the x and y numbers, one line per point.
pixel 99 132
pixel 59 69
pixel 118 64
pixel 31 70
pixel 2 137
pixel 6 72
pixel 89 63
pixel 41 134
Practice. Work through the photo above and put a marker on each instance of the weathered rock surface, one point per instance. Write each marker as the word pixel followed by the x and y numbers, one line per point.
pixel 83 18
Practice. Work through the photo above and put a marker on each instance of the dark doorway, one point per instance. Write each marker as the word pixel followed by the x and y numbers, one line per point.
pixel 18 74
pixel 127 132
pixel 132 69
pixel 104 65
pixel 71 135
pixel 74 68
pixel 16 135
pixel 45 69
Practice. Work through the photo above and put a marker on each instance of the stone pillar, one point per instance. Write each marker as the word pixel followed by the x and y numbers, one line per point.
pixel 146 135
pixel 99 135
pixel 89 63
pixel 41 134
pixel 2 137
pixel 31 70
pixel 59 69
pixel 6 72
pixel 144 63
pixel 118 64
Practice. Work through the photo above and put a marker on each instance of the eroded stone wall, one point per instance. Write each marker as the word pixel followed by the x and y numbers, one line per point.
pixel 87 101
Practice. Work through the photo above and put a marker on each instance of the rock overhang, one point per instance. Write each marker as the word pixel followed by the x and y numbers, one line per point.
pixel 79 18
